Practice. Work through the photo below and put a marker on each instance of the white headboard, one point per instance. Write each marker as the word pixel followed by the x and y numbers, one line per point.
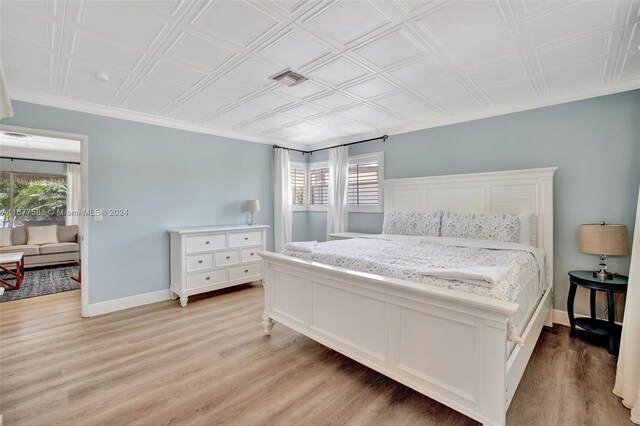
pixel 517 191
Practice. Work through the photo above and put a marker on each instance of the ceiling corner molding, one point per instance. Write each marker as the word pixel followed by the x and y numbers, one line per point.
pixel 592 92
pixel 106 111
pixel 6 110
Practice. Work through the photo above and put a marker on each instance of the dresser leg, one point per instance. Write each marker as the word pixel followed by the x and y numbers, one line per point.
pixel 570 300
pixel 173 295
pixel 267 324
pixel 183 301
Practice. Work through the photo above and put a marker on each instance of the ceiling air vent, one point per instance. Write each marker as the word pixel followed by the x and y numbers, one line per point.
pixel 289 78
pixel 16 135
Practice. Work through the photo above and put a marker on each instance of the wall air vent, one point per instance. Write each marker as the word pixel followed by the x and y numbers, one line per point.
pixel 289 78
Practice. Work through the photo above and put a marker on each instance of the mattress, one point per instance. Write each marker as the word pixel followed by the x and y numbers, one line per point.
pixel 403 257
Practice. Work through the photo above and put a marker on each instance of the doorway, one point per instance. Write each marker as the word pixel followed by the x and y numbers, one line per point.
pixel 43 226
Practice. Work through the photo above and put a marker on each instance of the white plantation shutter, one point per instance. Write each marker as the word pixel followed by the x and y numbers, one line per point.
pixel 363 186
pixel 364 183
pixel 298 186
pixel 319 186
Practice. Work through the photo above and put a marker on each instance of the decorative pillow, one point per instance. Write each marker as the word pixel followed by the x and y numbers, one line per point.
pixel 412 223
pixel 5 236
pixel 38 235
pixel 497 227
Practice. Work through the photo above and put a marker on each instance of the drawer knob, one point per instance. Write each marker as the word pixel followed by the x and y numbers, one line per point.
pixel 228 257
pixel 251 254
pixel 246 238
pixel 207 242
pixel 246 270
pixel 207 278
pixel 199 261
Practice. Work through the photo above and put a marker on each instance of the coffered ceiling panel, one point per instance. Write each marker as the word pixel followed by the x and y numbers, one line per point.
pixel 199 51
pixel 104 51
pixel 235 21
pixel 347 21
pixel 373 67
pixel 121 21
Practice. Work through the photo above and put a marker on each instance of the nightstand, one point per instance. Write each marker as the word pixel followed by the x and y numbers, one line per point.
pixel 346 235
pixel 607 328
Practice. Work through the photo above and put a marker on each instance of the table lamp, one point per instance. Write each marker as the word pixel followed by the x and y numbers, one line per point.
pixel 604 239
pixel 252 206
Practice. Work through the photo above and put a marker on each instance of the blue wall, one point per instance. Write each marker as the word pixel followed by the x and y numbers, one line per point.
pixel 595 143
pixel 166 178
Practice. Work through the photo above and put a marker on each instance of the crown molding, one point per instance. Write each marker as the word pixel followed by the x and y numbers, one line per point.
pixel 86 107
pixel 592 92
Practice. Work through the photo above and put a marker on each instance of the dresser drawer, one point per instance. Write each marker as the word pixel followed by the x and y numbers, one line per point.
pixel 204 279
pixel 197 262
pixel 206 243
pixel 245 272
pixel 245 239
pixel 224 258
pixel 250 254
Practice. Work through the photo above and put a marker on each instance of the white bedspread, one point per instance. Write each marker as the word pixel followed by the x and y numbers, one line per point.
pixel 405 257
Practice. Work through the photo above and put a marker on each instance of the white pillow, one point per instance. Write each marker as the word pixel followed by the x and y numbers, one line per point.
pixel 5 237
pixel 526 228
pixel 38 235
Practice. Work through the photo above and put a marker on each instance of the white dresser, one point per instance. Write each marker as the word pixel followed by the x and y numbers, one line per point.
pixel 210 258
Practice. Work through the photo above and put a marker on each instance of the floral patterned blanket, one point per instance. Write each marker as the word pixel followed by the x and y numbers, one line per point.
pixel 405 257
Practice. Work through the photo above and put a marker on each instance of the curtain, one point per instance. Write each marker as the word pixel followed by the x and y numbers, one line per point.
pixel 627 384
pixel 74 194
pixel 282 210
pixel 337 209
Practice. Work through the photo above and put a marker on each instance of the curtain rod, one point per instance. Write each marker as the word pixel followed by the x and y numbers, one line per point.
pixel 42 161
pixel 383 137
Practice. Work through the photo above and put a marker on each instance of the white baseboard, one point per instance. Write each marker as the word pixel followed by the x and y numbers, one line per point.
pixel 102 308
pixel 561 317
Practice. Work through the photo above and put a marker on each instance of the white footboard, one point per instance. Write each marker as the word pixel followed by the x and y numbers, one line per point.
pixel 447 345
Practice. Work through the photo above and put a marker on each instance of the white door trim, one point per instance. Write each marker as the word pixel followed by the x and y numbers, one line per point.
pixel 84 232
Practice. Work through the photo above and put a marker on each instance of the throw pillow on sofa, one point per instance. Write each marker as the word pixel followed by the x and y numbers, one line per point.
pixel 5 237
pixel 38 235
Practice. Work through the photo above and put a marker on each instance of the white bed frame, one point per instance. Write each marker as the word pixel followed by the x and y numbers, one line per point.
pixel 448 345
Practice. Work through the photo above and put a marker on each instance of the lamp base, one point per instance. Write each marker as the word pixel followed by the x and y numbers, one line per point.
pixel 604 275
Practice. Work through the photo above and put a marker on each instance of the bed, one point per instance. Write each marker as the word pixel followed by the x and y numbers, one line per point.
pixel 453 346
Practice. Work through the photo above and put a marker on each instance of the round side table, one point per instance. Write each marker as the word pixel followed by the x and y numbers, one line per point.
pixel 607 328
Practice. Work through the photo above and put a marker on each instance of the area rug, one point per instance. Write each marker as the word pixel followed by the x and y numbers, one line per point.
pixel 41 281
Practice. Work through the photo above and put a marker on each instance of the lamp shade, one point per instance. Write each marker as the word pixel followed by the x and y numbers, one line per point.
pixel 601 238
pixel 252 205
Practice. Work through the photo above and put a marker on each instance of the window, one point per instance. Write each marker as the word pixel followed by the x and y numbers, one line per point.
pixel 310 184
pixel 318 186
pixel 299 186
pixel 28 198
pixel 364 183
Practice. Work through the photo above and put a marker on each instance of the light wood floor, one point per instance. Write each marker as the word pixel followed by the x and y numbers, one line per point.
pixel 210 364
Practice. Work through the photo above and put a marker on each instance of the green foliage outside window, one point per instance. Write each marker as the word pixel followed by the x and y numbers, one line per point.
pixel 41 200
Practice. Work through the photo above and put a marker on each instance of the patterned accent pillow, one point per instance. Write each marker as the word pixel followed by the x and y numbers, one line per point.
pixel 412 223
pixel 496 227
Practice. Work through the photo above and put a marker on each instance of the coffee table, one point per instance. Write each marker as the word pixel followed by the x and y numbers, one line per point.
pixel 12 264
